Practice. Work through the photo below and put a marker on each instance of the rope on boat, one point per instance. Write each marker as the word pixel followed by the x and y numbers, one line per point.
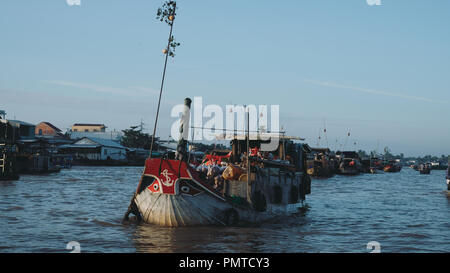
pixel 132 208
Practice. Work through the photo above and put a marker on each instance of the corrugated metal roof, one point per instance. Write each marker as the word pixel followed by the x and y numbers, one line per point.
pixel 258 136
pixel 88 124
pixel 21 122
pixel 104 142
pixel 79 146
pixel 114 135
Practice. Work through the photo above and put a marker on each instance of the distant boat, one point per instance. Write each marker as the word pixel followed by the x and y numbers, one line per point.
pixel 375 164
pixel 321 163
pixel 349 163
pixel 392 166
pixel 438 166
pixel 424 168
pixel 370 165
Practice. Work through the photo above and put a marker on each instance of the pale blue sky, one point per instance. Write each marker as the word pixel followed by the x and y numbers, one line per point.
pixel 381 72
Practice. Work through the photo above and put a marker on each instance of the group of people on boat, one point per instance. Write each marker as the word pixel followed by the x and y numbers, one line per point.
pixel 216 168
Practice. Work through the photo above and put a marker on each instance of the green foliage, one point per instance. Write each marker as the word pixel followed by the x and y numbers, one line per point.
pixel 167 14
pixel 135 138
pixel 172 46
pixel 168 9
pixel 362 154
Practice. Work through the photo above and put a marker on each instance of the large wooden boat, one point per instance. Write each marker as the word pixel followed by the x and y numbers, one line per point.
pixel 255 186
pixel 171 192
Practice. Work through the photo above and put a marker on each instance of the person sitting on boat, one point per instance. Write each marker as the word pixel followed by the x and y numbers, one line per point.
pixel 244 160
pixel 255 152
pixel 218 182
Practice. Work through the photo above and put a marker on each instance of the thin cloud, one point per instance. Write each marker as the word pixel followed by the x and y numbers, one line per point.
pixel 376 92
pixel 133 91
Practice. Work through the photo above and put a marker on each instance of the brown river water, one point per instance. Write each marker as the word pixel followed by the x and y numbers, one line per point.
pixel 402 212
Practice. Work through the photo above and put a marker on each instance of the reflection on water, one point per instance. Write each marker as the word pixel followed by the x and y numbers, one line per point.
pixel 404 212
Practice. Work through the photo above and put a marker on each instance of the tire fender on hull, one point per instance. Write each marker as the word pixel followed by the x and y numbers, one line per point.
pixel 231 217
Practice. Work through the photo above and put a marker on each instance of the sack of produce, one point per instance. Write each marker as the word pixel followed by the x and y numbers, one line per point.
pixel 232 172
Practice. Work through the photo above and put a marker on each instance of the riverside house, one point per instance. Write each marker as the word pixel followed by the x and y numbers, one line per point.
pixel 95 150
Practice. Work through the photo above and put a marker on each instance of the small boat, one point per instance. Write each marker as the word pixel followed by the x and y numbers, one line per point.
pixel 368 166
pixel 35 163
pixel 349 163
pixel 376 163
pixel 321 163
pixel 424 168
pixel 392 166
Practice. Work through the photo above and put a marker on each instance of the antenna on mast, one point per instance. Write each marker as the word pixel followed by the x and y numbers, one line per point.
pixel 346 139
pixel 325 131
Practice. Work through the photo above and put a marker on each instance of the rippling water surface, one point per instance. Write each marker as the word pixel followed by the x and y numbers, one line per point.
pixel 404 212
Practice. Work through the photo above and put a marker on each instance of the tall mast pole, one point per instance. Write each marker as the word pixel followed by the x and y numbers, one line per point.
pixel 163 77
pixel 249 181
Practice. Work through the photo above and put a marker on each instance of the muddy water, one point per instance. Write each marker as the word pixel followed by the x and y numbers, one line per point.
pixel 403 212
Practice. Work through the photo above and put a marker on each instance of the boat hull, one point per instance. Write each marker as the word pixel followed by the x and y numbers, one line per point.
pixel 202 210
pixel 180 210
pixel 189 201
pixel 349 171
pixel 392 169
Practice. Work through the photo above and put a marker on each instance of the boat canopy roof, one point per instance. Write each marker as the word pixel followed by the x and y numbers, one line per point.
pixel 349 154
pixel 321 150
pixel 258 136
